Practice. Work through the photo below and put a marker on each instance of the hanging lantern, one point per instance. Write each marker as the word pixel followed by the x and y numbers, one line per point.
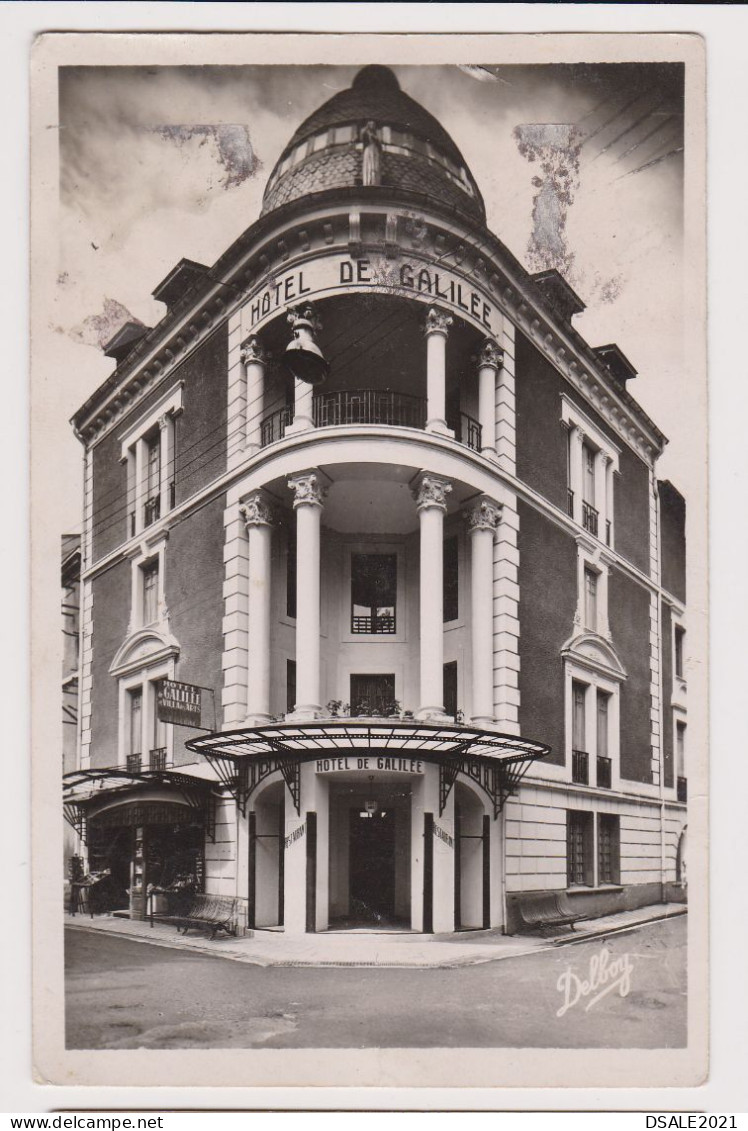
pixel 303 357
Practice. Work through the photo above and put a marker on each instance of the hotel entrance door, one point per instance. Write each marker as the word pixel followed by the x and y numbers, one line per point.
pixel 372 866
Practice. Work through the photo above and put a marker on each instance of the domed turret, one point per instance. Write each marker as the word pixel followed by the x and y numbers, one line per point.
pixel 373 134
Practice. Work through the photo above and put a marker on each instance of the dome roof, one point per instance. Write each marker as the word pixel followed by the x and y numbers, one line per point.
pixel 325 152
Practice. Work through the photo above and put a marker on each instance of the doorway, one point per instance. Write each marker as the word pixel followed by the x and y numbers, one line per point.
pixel 372 865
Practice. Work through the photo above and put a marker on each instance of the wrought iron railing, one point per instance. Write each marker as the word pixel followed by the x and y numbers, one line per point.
pixel 604 772
pixel 580 767
pixel 682 788
pixel 589 518
pixel 369 406
pixel 134 763
pixel 570 502
pixel 274 426
pixel 373 625
pixel 152 510
pixel 467 430
pixel 157 758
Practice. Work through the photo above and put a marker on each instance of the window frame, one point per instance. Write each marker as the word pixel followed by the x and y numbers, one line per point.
pixel 145 680
pixel 133 454
pixel 345 606
pixel 598 443
pixel 577 673
pixel 372 615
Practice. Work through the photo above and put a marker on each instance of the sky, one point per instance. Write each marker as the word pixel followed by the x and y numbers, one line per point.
pixel 581 168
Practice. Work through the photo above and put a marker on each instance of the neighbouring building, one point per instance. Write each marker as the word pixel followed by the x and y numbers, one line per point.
pixel 367 508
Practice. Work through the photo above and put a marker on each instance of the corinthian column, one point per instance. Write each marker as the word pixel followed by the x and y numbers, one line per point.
pixel 436 331
pixel 430 494
pixel 490 361
pixel 254 360
pixel 258 519
pixel 483 519
pixel 308 500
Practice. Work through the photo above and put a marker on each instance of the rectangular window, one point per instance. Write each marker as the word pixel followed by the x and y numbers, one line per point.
pixel 373 593
pixel 451 578
pixel 588 474
pixel 679 641
pixel 372 694
pixel 158 743
pixel 450 689
pixel 150 592
pixel 136 723
pixel 603 701
pixel 291 569
pixel 680 749
pixel 578 716
pixel 152 504
pixel 579 862
pixel 590 600
pixel 608 849
pixel 290 686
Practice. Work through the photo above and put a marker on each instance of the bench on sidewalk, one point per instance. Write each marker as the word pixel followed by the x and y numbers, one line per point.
pixel 545 910
pixel 200 911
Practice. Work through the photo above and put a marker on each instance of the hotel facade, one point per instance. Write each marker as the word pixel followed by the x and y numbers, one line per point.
pixel 367 512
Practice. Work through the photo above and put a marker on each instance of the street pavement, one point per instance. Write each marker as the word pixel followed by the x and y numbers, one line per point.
pixel 624 991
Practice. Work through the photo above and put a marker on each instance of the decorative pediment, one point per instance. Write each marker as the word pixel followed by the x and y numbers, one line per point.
pixel 142 648
pixel 589 650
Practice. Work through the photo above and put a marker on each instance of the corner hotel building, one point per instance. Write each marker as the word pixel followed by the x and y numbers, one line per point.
pixel 419 565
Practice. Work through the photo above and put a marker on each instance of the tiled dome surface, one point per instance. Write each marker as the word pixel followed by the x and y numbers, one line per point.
pixel 374 95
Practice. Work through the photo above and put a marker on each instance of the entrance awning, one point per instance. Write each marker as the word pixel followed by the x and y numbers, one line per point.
pixel 244 758
pixel 86 791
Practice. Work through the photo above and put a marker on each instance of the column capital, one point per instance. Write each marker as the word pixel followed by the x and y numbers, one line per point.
pixel 437 322
pixel 304 315
pixel 251 351
pixel 257 510
pixel 308 489
pixel 490 355
pixel 163 421
pixel 484 514
pixel 431 491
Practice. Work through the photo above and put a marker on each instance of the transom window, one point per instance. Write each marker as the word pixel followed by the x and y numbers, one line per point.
pixel 374 594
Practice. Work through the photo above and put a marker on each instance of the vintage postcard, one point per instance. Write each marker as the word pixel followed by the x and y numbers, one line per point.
pixel 369 473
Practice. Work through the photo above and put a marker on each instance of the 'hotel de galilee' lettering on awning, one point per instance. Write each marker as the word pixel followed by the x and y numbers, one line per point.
pixel 331 274
pixel 380 762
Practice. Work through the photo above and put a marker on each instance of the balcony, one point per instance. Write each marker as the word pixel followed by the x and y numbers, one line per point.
pixel 152 510
pixel 604 772
pixel 369 406
pixel 373 625
pixel 580 767
pixel 682 789
pixel 134 763
pixel 589 518
pixel 157 758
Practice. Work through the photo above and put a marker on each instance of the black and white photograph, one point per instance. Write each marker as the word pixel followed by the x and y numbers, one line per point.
pixel 369 399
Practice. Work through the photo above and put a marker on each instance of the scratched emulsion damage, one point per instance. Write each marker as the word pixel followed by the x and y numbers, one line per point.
pixel 98 329
pixel 234 149
pixel 555 148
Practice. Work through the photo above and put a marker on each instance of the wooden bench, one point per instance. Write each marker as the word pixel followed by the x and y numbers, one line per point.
pixel 201 911
pixel 545 910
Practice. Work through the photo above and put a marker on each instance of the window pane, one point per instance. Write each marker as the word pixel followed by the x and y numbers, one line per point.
pixel 680 749
pixel 578 848
pixel 373 593
pixel 154 465
pixel 159 727
pixel 136 720
pixel 679 636
pixel 588 471
pixel 590 600
pixel 578 721
pixel 451 578
pixel 450 689
pixel 608 856
pixel 291 570
pixel 372 694
pixel 602 724
pixel 290 685
pixel 150 593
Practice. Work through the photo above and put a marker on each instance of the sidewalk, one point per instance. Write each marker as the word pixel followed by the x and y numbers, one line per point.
pixel 352 948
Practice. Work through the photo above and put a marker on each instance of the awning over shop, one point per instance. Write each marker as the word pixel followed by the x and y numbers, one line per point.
pixel 244 758
pixel 119 797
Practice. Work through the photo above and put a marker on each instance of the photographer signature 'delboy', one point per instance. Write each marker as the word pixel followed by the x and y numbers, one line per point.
pixel 605 975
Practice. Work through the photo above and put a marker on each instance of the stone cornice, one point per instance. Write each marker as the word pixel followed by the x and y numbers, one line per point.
pixel 286 238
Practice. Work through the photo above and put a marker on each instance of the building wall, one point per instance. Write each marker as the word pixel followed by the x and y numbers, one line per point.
pixel 111 595
pixel 547 602
pixel 673 523
pixel 193 586
pixel 628 611
pixel 668 744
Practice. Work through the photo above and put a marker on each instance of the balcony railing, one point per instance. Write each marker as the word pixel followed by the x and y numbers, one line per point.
pixel 274 426
pixel 134 763
pixel 682 788
pixel 589 518
pixel 384 625
pixel 152 510
pixel 570 502
pixel 157 758
pixel 604 772
pixel 467 430
pixel 369 406
pixel 580 767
